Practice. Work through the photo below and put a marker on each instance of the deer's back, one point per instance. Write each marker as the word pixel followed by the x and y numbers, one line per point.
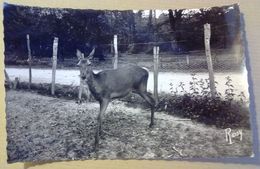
pixel 122 79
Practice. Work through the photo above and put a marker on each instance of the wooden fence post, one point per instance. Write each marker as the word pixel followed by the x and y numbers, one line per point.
pixel 111 48
pixel 16 83
pixel 116 52
pixel 29 60
pixel 188 59
pixel 207 34
pixel 54 64
pixel 7 80
pixel 156 63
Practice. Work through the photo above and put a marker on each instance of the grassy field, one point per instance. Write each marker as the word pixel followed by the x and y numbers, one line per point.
pixel 43 128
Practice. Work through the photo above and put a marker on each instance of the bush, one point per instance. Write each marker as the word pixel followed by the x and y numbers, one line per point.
pixel 197 104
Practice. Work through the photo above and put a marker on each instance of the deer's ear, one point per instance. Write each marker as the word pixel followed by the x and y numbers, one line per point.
pixel 79 55
pixel 90 56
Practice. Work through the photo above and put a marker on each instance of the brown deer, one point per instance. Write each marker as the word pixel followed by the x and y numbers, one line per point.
pixel 111 84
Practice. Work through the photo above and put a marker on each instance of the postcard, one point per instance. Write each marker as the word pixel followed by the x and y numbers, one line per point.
pixel 125 84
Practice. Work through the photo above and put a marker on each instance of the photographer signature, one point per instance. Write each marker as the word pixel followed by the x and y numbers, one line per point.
pixel 230 134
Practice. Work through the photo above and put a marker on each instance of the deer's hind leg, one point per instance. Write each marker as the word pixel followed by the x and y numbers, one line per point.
pixel 150 100
pixel 142 91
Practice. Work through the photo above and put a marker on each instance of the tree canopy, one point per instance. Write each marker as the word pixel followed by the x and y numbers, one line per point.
pixel 175 31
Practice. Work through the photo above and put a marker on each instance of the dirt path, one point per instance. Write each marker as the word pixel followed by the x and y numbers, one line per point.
pixel 44 128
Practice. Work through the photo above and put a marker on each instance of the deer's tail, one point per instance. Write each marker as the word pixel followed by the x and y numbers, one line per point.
pixel 146 69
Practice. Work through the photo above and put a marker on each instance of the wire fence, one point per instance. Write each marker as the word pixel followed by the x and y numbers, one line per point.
pixel 162 42
pixel 189 62
pixel 192 61
pixel 184 63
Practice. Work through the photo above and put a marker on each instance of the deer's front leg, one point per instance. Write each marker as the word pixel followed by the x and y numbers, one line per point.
pixel 103 107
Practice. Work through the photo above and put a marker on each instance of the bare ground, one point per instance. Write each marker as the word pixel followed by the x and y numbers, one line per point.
pixel 42 128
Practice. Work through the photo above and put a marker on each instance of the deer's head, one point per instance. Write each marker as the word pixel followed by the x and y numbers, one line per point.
pixel 84 63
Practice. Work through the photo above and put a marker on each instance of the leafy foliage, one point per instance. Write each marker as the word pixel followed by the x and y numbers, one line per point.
pixel 225 111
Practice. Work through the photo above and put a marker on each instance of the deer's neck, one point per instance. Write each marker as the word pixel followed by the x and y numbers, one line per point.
pixel 91 79
pixel 93 84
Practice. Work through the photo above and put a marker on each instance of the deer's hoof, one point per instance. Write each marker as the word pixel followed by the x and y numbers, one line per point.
pixel 151 125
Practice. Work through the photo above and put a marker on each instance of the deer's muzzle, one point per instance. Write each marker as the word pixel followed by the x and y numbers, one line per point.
pixel 83 77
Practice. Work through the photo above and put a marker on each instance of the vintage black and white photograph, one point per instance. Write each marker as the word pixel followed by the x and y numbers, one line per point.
pixel 125 84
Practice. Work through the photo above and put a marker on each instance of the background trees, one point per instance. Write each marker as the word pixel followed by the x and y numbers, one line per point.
pixel 175 31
